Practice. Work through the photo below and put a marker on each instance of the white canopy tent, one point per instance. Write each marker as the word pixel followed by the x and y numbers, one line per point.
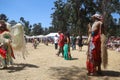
pixel 52 35
pixel 38 36
pixel 42 36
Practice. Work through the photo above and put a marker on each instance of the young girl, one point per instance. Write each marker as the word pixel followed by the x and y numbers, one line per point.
pixel 66 48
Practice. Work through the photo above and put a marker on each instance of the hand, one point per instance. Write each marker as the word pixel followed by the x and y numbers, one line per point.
pixel 1 44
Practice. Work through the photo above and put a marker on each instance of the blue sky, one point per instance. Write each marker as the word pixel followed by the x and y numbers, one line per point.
pixel 34 11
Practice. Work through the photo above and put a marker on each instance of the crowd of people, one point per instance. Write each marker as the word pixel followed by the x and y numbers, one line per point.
pixel 113 43
pixel 65 41
pixel 95 52
pixel 96 45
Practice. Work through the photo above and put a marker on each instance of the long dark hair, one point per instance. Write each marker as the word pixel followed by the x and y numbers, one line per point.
pixel 67 35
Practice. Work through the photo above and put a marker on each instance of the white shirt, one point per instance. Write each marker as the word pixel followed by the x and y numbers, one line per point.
pixel 55 39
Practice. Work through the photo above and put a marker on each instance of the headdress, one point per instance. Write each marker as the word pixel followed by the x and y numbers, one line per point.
pixel 2 22
pixel 3 25
pixel 98 16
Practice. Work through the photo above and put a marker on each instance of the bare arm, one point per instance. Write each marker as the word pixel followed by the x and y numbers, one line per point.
pixel 89 33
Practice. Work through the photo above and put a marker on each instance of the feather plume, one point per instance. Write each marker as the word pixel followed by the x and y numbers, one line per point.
pixel 104 53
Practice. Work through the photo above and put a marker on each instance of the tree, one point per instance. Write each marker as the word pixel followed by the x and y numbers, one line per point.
pixel 37 29
pixel 59 17
pixel 3 17
pixel 74 15
pixel 27 26
pixel 46 31
pixel 107 8
pixel 13 22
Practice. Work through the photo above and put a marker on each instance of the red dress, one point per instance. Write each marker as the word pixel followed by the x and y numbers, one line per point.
pixel 94 58
pixel 3 52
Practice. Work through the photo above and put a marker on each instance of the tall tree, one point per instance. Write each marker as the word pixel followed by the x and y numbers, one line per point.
pixel 107 8
pixel 75 14
pixel 27 26
pixel 59 17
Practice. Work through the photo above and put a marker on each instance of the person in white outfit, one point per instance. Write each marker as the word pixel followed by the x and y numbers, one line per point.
pixel 56 41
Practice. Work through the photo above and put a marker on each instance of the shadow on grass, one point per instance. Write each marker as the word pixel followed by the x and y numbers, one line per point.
pixel 111 73
pixel 77 73
pixel 66 73
pixel 19 67
pixel 107 75
pixel 74 59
